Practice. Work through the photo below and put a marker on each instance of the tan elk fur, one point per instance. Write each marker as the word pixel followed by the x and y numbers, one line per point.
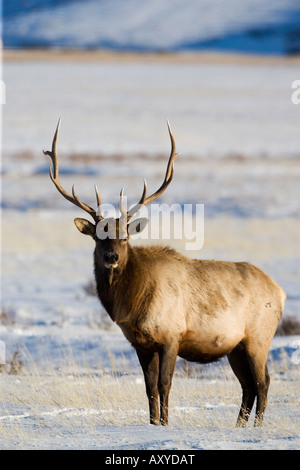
pixel 168 305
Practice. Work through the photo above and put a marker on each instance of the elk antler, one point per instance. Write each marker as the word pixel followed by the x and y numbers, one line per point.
pixel 168 178
pixel 97 214
pixel 74 199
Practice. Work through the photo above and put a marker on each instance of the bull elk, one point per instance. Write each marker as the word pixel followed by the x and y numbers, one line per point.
pixel 168 305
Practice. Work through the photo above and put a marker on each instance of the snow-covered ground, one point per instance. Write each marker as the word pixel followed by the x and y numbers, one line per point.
pixel 237 131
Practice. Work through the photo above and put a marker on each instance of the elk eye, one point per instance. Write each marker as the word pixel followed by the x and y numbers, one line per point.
pixel 124 240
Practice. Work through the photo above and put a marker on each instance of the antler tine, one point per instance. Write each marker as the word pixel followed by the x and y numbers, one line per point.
pixel 169 173
pixel 98 200
pixel 124 217
pixel 173 155
pixel 52 154
pixel 121 207
pixel 141 202
pixel 82 205
pixel 168 178
pixel 54 178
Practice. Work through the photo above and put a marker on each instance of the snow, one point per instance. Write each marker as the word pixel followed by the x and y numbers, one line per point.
pixel 237 130
pixel 213 109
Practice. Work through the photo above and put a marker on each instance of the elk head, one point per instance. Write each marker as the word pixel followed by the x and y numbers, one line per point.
pixel 111 235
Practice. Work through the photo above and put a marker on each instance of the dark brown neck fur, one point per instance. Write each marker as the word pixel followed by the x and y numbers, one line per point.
pixel 125 293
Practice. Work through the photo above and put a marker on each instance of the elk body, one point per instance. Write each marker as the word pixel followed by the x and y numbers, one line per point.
pixel 168 305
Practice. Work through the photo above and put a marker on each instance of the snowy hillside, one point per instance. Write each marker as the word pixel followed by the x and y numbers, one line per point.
pixel 257 26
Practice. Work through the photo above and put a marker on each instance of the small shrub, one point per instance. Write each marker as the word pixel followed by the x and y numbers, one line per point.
pixel 13 367
pixel 288 326
pixel 7 317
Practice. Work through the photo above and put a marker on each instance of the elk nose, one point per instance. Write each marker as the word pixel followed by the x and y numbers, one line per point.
pixel 111 257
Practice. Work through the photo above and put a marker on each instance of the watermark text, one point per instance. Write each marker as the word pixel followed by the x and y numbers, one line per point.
pixel 155 222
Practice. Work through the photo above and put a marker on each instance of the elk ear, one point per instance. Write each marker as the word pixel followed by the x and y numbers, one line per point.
pixel 137 226
pixel 85 227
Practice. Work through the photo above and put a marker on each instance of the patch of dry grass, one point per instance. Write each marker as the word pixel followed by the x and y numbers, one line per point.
pixel 56 401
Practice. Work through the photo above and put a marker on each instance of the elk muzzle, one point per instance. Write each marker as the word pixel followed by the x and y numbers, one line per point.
pixel 110 259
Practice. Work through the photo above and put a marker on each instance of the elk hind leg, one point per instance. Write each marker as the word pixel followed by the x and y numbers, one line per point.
pixel 258 363
pixel 241 368
pixel 262 398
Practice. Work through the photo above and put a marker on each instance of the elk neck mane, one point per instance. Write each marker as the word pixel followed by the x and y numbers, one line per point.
pixel 129 291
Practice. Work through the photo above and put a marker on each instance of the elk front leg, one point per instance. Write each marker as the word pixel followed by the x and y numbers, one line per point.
pixel 150 366
pixel 167 359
